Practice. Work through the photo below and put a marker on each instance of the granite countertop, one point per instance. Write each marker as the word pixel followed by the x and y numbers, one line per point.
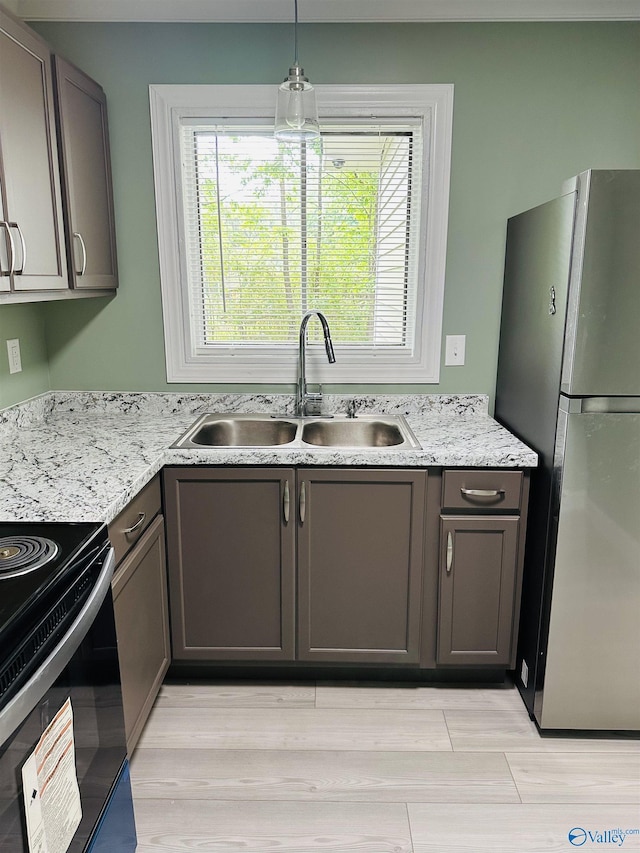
pixel 81 456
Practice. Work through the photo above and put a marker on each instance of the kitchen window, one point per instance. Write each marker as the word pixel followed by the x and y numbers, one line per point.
pixel 253 232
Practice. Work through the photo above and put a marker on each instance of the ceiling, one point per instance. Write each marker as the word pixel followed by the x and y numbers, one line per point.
pixel 275 11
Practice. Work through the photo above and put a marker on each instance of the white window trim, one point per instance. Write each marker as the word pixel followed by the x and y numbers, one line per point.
pixel 170 103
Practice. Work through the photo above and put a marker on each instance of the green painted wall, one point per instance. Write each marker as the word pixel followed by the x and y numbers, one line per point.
pixel 534 104
pixel 26 323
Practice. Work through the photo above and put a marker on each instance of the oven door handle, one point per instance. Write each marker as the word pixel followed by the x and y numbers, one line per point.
pixel 22 704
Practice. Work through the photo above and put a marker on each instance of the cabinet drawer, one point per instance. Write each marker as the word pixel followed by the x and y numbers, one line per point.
pixel 479 489
pixel 128 527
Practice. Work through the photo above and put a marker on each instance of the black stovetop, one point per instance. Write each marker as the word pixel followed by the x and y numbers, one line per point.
pixel 23 598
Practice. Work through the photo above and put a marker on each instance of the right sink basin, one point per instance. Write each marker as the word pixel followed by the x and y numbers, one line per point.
pixel 368 431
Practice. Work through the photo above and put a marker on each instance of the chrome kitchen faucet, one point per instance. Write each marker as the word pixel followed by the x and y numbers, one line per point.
pixel 308 403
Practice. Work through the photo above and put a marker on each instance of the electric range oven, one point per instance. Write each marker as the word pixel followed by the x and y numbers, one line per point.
pixel 64 775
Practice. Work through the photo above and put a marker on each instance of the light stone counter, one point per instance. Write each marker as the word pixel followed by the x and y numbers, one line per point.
pixel 80 456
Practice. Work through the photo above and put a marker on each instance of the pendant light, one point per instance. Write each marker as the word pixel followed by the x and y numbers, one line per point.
pixel 296 110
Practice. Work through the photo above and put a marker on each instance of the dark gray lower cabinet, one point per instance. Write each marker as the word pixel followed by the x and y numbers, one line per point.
pixel 338 565
pixel 231 544
pixel 477 589
pixel 233 536
pixel 142 625
pixel 360 550
pixel 482 530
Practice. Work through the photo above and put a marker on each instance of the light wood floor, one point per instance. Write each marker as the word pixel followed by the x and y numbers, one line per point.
pixel 311 768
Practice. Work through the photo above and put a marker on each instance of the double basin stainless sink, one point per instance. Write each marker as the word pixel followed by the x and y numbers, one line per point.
pixel 338 431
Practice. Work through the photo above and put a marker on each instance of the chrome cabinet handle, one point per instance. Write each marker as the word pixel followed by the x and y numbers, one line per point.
pixel 83 266
pixel 303 502
pixel 482 493
pixel 11 246
pixel 137 525
pixel 449 552
pixel 286 502
pixel 23 247
pixel 552 301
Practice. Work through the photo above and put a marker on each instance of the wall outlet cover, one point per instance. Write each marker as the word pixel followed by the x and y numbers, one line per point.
pixel 13 351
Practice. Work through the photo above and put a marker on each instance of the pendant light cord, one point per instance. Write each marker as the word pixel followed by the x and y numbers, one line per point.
pixel 295 33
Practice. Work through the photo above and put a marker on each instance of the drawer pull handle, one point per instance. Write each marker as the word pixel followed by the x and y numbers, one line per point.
pixel 449 552
pixel 482 493
pixel 286 502
pixel 303 502
pixel 137 525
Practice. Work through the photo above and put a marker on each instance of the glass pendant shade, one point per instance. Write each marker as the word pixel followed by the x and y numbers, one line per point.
pixel 296 109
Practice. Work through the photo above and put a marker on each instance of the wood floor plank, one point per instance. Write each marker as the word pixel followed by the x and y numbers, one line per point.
pixel 299 728
pixel 512 731
pixel 174 826
pixel 319 776
pixel 417 697
pixel 455 828
pixel 237 694
pixel 577 778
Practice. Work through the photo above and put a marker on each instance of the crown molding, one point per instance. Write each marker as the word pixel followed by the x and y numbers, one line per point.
pixel 325 11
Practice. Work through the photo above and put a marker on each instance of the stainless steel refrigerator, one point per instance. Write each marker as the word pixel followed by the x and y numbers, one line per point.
pixel 569 386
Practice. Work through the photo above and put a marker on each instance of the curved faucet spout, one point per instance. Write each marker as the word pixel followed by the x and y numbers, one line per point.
pixel 304 399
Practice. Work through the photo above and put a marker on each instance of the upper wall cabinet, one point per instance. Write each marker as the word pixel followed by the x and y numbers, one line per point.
pixel 32 250
pixel 86 168
pixel 56 212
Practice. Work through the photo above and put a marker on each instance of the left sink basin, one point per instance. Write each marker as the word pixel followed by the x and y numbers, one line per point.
pixel 238 431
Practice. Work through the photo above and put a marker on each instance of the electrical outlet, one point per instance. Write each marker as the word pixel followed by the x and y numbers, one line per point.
pixel 524 673
pixel 454 350
pixel 13 351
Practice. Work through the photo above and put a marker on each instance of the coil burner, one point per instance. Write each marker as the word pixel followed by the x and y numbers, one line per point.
pixel 20 555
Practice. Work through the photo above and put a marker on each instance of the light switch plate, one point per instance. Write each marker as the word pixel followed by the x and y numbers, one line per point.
pixel 13 351
pixel 454 350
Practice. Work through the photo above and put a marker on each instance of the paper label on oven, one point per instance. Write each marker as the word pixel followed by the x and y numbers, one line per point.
pixel 50 787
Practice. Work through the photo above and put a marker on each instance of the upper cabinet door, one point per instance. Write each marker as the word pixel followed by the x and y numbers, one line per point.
pixel 84 139
pixel 33 234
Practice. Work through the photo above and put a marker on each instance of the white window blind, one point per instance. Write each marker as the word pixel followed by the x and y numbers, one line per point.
pixel 252 232
pixel 273 229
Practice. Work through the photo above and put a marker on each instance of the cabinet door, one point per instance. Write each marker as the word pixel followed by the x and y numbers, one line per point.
pixel 231 556
pixel 142 627
pixel 29 169
pixel 84 138
pixel 360 547
pixel 478 567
